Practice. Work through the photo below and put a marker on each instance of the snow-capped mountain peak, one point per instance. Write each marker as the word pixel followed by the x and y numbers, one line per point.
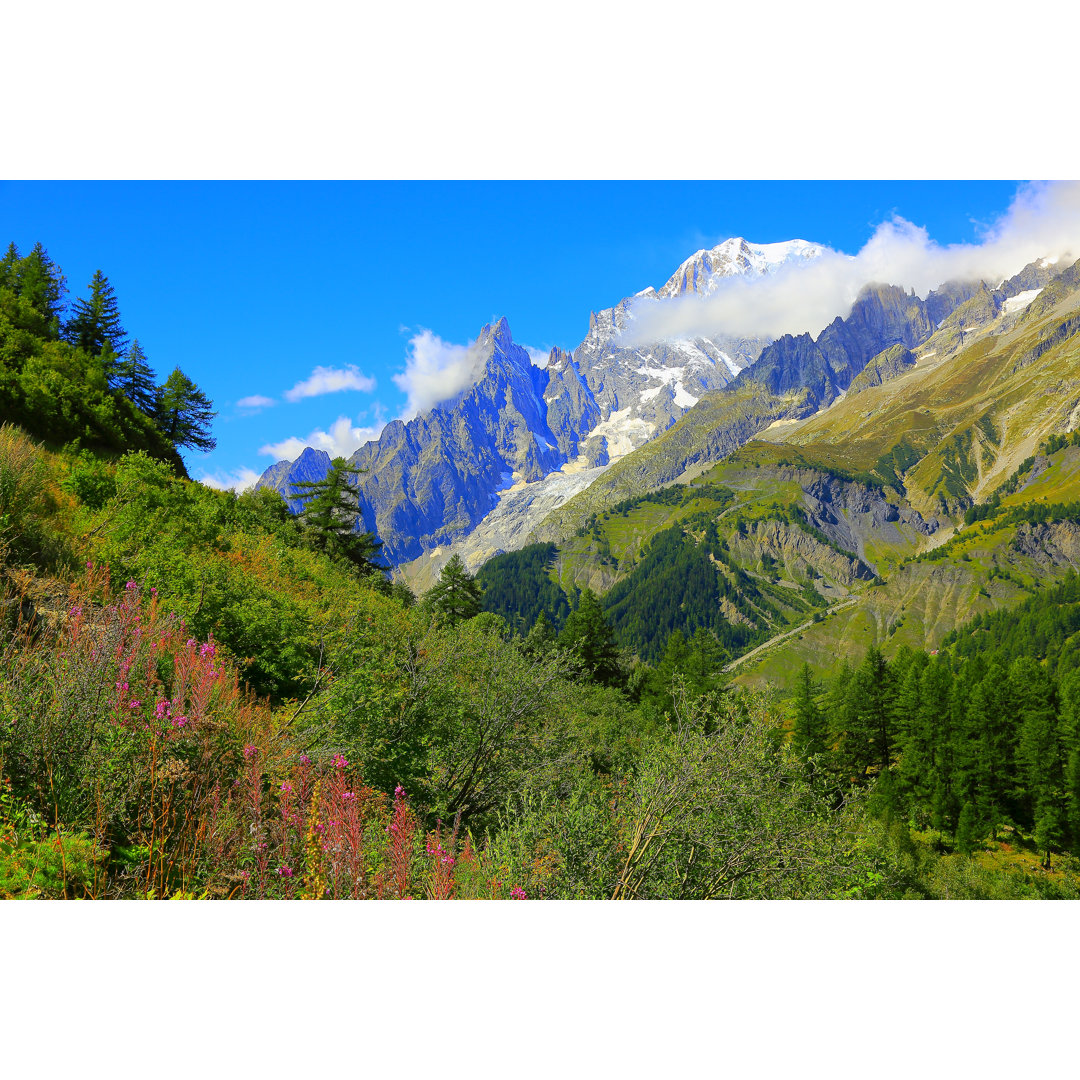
pixel 704 270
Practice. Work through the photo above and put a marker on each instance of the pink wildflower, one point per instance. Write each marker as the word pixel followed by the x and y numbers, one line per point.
pixel 517 893
pixel 130 585
pixel 339 761
pixel 250 752
pixel 207 649
pixel 286 787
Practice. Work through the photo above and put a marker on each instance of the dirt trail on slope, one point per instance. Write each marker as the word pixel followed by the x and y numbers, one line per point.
pixel 789 633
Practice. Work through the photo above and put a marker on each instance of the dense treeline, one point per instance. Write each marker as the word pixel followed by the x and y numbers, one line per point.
pixel 1043 627
pixel 517 585
pixel 980 736
pixel 70 375
pixel 677 585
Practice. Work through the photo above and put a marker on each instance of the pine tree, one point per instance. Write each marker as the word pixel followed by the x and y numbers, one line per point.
pixel 1070 732
pixel 589 632
pixel 95 322
pixel 1038 750
pixel 541 638
pixel 966 829
pixel 135 379
pixel 39 281
pixel 183 413
pixel 332 512
pixel 867 717
pixel 810 736
pixel 457 595
pixel 7 266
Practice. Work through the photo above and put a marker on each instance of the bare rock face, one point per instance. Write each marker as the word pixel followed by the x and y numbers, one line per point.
pixel 1049 545
pixel 311 466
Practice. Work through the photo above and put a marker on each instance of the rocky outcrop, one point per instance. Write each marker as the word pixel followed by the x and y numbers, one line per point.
pixel 802 556
pixel 310 467
pixel 1049 545
pixel 887 365
pixel 854 516
pixel 430 480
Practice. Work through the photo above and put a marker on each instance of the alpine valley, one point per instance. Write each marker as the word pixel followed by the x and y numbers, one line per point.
pixel 821 483
pixel 673 615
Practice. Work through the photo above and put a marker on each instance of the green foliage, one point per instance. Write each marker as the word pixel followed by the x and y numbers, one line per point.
pixel 457 595
pixel 57 390
pixel 236 567
pixel 590 637
pixel 677 585
pixel 23 491
pixel 810 735
pixel 183 413
pixel 94 326
pixel 518 586
pixel 90 479
pixel 134 378
pixel 331 513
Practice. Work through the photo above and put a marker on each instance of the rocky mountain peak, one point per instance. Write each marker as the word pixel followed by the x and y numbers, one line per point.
pixel 705 269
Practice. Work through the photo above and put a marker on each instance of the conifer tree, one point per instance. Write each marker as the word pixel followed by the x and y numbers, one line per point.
pixel 332 512
pixel 135 379
pixel 39 281
pixel 457 595
pixel 867 716
pixel 541 638
pixel 7 266
pixel 1070 732
pixel 95 321
pixel 183 413
pixel 966 829
pixel 589 632
pixel 1038 749
pixel 810 735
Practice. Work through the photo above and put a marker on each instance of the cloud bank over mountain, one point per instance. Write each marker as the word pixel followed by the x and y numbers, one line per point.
pixel 435 371
pixel 1042 221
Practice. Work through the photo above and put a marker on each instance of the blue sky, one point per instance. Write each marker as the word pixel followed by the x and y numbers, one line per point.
pixel 250 287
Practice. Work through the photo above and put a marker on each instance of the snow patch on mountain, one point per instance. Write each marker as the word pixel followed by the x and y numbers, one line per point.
pixel 1019 301
pixel 682 398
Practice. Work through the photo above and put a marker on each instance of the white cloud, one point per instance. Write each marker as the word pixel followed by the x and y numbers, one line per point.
pixel 435 371
pixel 239 480
pixel 1043 221
pixel 327 380
pixel 340 441
pixel 539 357
pixel 255 402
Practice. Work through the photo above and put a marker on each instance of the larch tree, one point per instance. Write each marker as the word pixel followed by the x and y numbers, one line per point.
pixel 331 513
pixel 183 413
pixel 457 595
pixel 588 631
pixel 811 733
